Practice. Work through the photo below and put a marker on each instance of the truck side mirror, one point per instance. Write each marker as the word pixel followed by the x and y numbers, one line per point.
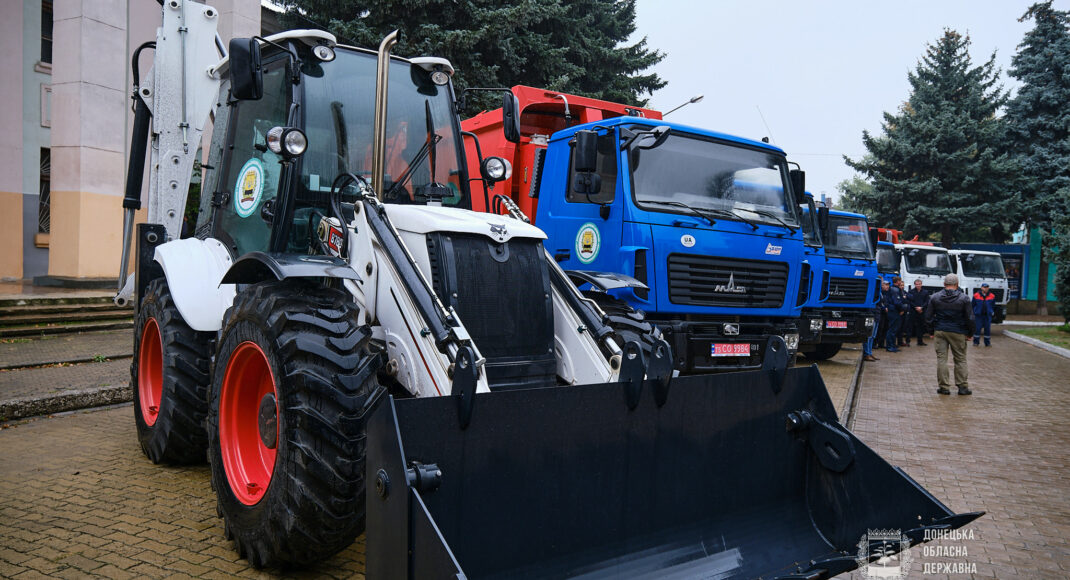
pixel 873 241
pixel 585 157
pixel 246 75
pixel 823 220
pixel 510 117
pixel 798 185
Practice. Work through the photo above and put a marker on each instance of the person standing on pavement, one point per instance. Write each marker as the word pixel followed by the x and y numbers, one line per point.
pixel 984 308
pixel 899 337
pixel 917 300
pixel 893 308
pixel 951 314
pixel 882 316
pixel 878 311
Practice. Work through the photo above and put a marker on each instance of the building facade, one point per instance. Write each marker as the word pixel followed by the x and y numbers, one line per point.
pixel 66 129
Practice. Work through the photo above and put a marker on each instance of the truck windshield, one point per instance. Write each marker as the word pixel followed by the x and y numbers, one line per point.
pixel 712 175
pixel 848 238
pixel 981 266
pixel 886 263
pixel 933 262
pixel 339 111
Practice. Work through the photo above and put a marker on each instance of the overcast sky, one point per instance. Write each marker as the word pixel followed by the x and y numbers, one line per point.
pixel 818 71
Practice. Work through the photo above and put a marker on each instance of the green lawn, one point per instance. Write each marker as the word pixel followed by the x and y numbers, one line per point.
pixel 1057 335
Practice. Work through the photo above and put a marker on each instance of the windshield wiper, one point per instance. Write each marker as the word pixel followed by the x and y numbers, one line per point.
pixel 731 213
pixel 773 216
pixel 699 213
pixel 428 147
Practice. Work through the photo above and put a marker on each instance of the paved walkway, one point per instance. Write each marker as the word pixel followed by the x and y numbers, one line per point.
pixel 1004 450
pixel 21 352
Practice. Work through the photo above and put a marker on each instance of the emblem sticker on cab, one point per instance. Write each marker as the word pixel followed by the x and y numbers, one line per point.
pixel 773 250
pixel 588 242
pixel 687 240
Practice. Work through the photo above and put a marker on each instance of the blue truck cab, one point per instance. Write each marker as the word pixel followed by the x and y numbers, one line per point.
pixel 843 288
pixel 704 227
pixel 887 261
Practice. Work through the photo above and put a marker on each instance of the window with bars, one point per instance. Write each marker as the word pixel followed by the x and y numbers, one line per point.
pixel 44 215
pixel 46 31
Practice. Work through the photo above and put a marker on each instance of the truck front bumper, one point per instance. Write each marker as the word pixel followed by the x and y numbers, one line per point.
pixel 724 345
pixel 837 325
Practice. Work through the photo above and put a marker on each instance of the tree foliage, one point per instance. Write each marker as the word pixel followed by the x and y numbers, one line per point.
pixel 939 166
pixel 574 46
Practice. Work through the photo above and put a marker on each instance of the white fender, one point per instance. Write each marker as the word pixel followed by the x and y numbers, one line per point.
pixel 193 269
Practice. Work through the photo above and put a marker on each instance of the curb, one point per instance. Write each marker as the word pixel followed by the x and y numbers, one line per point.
pixel 68 401
pixel 849 404
pixel 71 361
pixel 1038 343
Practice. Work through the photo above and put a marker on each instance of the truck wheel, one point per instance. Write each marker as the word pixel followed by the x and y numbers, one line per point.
pixel 293 374
pixel 169 376
pixel 628 324
pixel 824 351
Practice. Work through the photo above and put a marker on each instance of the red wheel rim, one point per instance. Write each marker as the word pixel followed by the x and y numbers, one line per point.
pixel 150 372
pixel 247 461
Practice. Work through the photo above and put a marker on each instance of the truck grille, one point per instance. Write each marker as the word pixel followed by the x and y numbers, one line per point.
pixel 998 292
pixel 708 281
pixel 848 290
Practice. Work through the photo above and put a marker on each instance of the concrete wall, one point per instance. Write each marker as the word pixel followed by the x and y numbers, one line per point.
pixel 11 148
pixel 36 78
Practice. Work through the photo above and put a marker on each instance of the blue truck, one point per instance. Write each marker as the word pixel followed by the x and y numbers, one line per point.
pixel 699 230
pixel 843 282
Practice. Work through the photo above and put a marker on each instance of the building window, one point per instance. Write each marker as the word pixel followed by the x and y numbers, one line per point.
pixel 46 31
pixel 44 215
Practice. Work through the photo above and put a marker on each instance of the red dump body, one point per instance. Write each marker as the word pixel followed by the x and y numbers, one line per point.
pixel 897 237
pixel 542 113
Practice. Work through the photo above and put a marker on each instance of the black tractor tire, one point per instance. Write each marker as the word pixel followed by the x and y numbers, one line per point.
pixel 169 377
pixel 824 351
pixel 628 324
pixel 323 376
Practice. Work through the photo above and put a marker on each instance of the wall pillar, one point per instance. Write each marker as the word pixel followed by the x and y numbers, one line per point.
pixel 11 148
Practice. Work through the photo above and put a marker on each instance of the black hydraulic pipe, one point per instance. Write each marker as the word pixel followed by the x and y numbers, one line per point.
pixel 139 140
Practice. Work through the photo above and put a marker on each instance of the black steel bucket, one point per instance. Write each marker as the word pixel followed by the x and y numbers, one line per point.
pixel 734 476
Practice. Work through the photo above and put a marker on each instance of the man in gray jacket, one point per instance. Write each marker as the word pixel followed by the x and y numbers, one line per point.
pixel 951 314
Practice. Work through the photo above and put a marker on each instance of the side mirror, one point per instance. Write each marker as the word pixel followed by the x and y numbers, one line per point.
pixel 798 185
pixel 510 117
pixel 823 220
pixel 246 76
pixel 873 241
pixel 585 157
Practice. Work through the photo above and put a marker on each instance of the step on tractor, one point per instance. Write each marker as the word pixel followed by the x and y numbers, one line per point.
pixel 354 350
pixel 697 230
pixel 842 281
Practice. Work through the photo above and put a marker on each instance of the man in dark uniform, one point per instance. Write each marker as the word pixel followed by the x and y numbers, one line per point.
pixel 917 300
pixel 893 308
pixel 951 314
pixel 984 308
pixel 882 316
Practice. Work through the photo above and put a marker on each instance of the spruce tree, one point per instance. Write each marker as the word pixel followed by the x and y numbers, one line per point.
pixel 577 46
pixel 938 167
pixel 1039 118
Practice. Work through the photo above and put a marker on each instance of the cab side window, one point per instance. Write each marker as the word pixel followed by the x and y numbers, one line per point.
pixel 251 177
pixel 607 169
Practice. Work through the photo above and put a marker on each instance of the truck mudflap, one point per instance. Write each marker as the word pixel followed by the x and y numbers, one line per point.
pixel 737 475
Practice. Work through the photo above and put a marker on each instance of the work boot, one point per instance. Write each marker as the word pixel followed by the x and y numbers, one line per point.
pixel 943 391
pixel 920 343
pixel 988 344
pixel 870 358
pixel 977 343
pixel 965 391
pixel 906 344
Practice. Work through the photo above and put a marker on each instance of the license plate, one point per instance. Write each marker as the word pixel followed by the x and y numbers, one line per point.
pixel 729 349
pixel 836 324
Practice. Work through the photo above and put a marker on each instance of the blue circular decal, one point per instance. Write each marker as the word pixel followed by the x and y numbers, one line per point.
pixel 249 188
pixel 588 242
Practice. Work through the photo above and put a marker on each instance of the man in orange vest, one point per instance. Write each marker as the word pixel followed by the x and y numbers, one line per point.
pixel 984 308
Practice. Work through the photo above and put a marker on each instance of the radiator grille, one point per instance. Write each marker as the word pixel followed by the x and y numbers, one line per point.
pixel 708 281
pixel 848 290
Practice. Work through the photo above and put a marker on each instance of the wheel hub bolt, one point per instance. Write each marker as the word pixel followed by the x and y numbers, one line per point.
pixel 268 422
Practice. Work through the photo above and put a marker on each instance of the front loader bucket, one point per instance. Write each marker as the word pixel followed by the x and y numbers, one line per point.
pixel 735 476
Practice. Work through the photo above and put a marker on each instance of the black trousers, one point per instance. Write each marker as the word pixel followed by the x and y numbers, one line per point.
pixel 915 326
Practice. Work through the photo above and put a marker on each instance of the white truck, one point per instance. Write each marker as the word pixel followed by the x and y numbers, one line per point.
pixel 926 262
pixel 975 268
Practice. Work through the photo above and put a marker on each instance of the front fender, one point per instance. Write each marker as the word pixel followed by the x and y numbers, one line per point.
pixel 194 271
pixel 259 266
pixel 605 281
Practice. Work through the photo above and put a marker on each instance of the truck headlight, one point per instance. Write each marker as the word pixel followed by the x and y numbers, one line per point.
pixel 792 340
pixel 869 322
pixel 815 324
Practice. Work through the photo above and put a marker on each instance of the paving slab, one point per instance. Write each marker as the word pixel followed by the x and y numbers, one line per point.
pixel 23 352
pixel 1004 450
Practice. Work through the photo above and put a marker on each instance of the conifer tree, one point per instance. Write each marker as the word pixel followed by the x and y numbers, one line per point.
pixel 576 46
pixel 939 166
pixel 1039 119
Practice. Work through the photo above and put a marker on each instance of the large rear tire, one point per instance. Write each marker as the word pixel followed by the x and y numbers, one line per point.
pixel 628 324
pixel 286 425
pixel 169 377
pixel 824 351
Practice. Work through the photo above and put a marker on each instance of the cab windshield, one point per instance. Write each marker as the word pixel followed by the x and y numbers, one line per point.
pixel 886 263
pixel 933 262
pixel 848 237
pixel 339 112
pixel 981 266
pixel 731 181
